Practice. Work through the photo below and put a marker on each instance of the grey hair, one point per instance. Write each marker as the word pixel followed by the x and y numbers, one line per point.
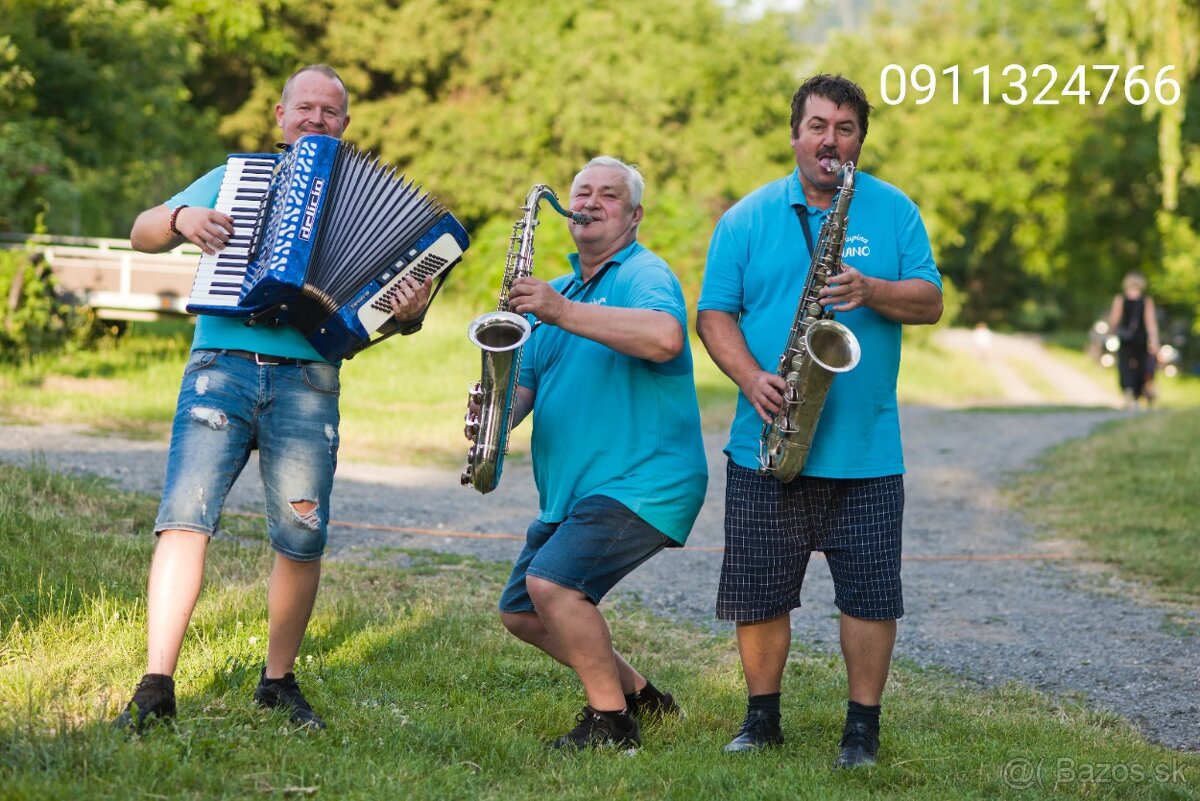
pixel 633 177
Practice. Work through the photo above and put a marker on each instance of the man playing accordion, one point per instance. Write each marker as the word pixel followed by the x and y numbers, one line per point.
pixel 244 388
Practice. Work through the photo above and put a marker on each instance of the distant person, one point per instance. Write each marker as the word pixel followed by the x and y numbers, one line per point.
pixel 246 388
pixel 848 502
pixel 981 339
pixel 1134 321
pixel 618 454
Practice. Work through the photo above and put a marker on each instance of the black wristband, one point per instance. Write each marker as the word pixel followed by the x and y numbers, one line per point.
pixel 174 217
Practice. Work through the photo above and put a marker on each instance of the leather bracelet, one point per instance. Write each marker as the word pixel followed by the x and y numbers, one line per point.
pixel 174 217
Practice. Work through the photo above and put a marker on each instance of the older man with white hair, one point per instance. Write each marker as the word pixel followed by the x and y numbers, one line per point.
pixel 617 451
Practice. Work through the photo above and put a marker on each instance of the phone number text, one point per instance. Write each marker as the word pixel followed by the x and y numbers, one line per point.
pixel 1015 85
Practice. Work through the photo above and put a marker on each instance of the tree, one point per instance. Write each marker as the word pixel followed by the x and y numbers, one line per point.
pixel 98 123
pixel 1162 34
pixel 1019 197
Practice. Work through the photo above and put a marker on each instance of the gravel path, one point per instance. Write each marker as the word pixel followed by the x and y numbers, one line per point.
pixel 984 598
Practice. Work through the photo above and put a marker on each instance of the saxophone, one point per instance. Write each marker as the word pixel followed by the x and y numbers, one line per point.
pixel 501 336
pixel 818 348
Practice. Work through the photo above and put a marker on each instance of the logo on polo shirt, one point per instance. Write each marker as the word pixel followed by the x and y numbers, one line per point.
pixel 856 246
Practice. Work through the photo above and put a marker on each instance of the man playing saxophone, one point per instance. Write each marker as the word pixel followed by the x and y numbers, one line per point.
pixel 848 501
pixel 617 451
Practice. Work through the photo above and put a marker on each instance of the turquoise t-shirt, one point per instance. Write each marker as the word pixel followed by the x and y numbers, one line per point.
pixel 214 332
pixel 757 265
pixel 605 423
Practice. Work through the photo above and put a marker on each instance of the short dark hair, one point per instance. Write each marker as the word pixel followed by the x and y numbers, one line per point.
pixel 836 88
pixel 321 69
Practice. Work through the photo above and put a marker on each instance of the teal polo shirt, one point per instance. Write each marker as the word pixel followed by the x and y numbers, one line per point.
pixel 756 268
pixel 214 332
pixel 605 423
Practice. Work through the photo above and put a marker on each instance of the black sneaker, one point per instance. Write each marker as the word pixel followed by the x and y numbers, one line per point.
pixel 154 699
pixel 759 730
pixel 655 707
pixel 859 745
pixel 600 730
pixel 285 694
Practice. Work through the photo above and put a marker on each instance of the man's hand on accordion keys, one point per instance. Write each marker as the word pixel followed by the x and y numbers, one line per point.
pixel 208 229
pixel 409 302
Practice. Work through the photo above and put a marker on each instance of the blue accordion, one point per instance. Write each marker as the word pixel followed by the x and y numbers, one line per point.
pixel 324 234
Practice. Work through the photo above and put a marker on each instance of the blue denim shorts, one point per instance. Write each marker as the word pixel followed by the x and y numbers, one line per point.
pixel 229 405
pixel 599 543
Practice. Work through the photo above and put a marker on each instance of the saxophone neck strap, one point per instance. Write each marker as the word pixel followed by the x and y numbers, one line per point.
pixel 802 214
pixel 576 286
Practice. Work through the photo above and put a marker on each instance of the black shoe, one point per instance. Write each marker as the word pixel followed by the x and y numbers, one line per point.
pixel 600 730
pixel 859 746
pixel 285 694
pixel 153 699
pixel 759 730
pixel 655 707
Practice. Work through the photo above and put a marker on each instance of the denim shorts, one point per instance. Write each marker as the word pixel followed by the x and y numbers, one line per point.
pixel 771 530
pixel 229 405
pixel 599 543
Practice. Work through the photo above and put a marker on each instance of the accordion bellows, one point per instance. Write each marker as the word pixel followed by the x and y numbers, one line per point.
pixel 324 234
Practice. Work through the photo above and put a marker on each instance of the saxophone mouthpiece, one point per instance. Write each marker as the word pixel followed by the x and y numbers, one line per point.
pixel 579 218
pixel 835 166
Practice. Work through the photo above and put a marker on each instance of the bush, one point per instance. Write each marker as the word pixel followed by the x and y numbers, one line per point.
pixel 952 304
pixel 34 316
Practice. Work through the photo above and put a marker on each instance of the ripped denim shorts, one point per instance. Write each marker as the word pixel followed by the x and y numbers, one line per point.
pixel 228 406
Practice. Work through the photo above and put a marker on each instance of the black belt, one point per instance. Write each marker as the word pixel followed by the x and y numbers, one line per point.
pixel 267 361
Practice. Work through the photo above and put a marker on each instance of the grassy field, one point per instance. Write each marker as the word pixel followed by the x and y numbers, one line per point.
pixel 1127 494
pixel 428 698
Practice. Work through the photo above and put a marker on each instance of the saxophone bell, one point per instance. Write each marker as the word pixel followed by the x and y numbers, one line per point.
pixel 498 331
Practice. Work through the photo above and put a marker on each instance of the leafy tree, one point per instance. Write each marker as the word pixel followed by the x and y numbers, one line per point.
pixel 108 106
pixel 1012 192
pixel 98 123
pixel 1161 33
pixel 484 99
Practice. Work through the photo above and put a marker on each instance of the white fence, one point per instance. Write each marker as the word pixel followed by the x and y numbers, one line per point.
pixel 115 280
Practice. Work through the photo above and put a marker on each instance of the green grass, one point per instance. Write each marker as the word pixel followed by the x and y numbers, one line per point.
pixel 1128 493
pixel 428 697
pixel 934 376
pixel 126 385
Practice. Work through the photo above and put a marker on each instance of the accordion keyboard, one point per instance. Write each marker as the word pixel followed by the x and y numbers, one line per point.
pixel 243 191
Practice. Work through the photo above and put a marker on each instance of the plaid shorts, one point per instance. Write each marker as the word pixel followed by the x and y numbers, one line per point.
pixel 772 528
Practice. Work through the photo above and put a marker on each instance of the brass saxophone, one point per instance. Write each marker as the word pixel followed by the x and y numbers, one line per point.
pixel 501 336
pixel 818 348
